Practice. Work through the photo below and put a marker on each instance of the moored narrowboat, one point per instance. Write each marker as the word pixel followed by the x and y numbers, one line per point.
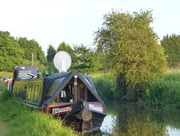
pixel 70 96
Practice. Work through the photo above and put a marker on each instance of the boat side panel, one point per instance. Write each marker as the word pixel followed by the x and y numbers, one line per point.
pixel 29 91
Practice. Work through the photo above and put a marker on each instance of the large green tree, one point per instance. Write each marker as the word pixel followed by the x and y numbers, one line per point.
pixel 86 61
pixel 171 43
pixel 131 51
pixel 33 51
pixel 11 53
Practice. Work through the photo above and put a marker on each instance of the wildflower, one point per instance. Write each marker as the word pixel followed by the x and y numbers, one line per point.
pixel 147 91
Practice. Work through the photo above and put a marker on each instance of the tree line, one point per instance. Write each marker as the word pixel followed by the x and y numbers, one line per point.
pixel 126 46
pixel 21 51
pixel 84 59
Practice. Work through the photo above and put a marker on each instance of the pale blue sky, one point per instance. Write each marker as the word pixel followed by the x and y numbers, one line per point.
pixel 75 21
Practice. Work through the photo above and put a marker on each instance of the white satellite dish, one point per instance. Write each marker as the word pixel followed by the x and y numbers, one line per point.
pixel 62 61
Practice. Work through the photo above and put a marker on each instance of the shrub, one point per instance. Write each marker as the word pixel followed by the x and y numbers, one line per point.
pixel 104 86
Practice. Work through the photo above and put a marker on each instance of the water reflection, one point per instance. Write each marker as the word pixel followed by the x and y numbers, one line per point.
pixel 108 124
pixel 131 120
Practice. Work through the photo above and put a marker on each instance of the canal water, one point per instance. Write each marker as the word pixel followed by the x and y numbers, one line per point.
pixel 129 119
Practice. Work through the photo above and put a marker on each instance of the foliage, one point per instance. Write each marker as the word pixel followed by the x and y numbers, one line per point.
pixel 50 67
pixel 10 52
pixel 66 47
pixel 104 87
pixel 84 59
pixel 50 53
pixel 96 62
pixel 131 51
pixel 33 50
pixel 6 74
pixel 21 120
pixel 164 91
pixel 20 51
pixel 6 95
pixel 171 43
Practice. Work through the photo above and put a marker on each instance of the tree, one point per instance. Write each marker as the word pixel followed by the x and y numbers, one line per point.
pixel 50 53
pixel 50 56
pixel 131 51
pixel 84 60
pixel 33 51
pixel 10 52
pixel 171 43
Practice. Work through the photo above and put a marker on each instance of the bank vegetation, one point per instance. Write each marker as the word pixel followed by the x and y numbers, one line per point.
pixel 20 120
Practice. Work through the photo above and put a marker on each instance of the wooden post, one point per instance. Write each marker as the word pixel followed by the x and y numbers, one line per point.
pixel 75 89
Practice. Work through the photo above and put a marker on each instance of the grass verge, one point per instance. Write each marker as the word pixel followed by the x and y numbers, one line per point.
pixel 21 120
pixel 164 91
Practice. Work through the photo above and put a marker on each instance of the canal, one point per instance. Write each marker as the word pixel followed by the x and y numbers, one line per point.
pixel 129 119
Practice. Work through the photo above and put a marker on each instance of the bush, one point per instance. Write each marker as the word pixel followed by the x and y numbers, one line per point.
pixel 104 86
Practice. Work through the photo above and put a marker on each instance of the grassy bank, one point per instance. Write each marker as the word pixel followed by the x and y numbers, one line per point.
pixel 21 120
pixel 2 128
pixel 164 91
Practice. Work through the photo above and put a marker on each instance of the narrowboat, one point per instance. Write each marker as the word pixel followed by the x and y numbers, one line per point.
pixel 70 96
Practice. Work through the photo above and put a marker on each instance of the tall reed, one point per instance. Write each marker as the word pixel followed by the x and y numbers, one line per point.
pixel 164 91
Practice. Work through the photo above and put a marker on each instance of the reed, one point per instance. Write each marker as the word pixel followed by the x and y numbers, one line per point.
pixel 21 120
pixel 164 91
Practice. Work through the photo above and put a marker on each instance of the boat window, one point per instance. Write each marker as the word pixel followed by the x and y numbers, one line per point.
pixel 66 95
pixel 54 86
pixel 23 74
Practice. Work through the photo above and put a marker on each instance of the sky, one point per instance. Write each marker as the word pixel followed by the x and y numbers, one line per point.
pixel 75 21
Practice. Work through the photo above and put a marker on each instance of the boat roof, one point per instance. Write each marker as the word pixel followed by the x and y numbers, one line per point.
pixel 26 68
pixel 66 77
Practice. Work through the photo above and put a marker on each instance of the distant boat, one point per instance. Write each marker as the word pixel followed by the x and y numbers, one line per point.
pixel 5 84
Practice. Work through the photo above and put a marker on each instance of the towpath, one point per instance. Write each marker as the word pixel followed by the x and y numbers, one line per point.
pixel 2 129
